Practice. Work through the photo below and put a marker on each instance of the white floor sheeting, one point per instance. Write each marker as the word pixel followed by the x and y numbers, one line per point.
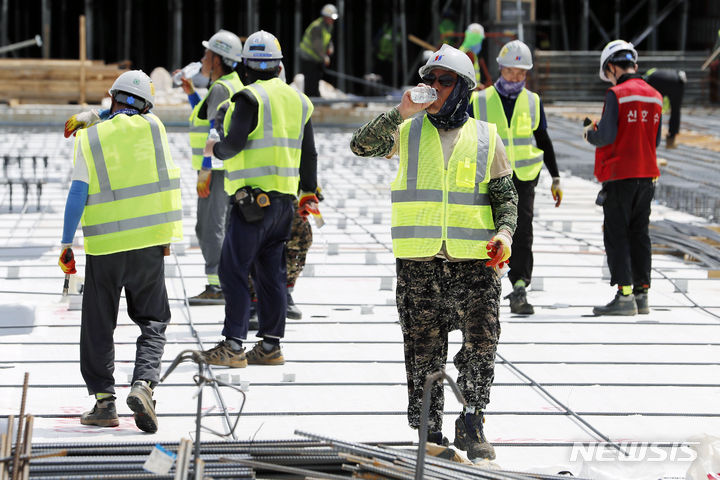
pixel 648 378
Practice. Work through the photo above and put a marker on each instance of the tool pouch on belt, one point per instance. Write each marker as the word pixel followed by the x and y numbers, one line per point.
pixel 250 203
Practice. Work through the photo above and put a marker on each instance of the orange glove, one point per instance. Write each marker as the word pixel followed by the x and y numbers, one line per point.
pixel 556 191
pixel 308 204
pixel 499 249
pixel 203 183
pixel 67 261
pixel 79 121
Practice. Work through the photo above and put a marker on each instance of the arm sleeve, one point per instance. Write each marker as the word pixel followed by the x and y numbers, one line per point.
pixel 377 137
pixel 503 201
pixel 74 207
pixel 243 121
pixel 608 124
pixel 545 144
pixel 658 137
pixel 308 160
pixel 194 99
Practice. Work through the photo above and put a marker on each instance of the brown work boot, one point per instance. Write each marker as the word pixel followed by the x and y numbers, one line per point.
pixel 469 436
pixel 103 414
pixel 224 356
pixel 258 355
pixel 142 404
pixel 212 295
pixel 670 142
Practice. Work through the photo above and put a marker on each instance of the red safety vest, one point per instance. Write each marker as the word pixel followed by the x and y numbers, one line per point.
pixel 632 154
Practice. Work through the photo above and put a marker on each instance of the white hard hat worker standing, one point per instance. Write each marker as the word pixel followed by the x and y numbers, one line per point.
pixel 316 48
pixel 626 138
pixel 130 211
pixel 520 118
pixel 472 45
pixel 447 239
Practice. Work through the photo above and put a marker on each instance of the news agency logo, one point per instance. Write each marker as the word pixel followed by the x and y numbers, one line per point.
pixel 633 452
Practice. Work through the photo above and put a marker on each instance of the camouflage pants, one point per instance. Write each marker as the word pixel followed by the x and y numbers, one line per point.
pixel 296 249
pixel 434 298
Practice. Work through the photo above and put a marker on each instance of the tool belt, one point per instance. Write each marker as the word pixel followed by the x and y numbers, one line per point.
pixel 250 203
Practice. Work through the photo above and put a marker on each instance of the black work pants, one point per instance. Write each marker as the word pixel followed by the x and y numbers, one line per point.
pixel 313 72
pixel 259 249
pixel 670 85
pixel 521 260
pixel 142 274
pixel 625 230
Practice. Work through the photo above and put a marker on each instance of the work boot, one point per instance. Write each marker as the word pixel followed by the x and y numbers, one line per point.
pixel 641 301
pixel 670 142
pixel 258 355
pixel 293 312
pixel 211 296
pixel 224 356
pixel 103 414
pixel 142 404
pixel 469 437
pixel 254 323
pixel 438 439
pixel 519 303
pixel 620 305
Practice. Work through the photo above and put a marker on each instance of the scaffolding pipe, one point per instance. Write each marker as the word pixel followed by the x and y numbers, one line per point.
pixel 177 30
pixel 340 35
pixel 127 30
pixel 25 43
pixel 46 28
pixel 403 35
pixel 4 24
pixel 89 40
pixel 519 13
pixel 218 15
pixel 683 26
pixel 297 32
pixel 368 35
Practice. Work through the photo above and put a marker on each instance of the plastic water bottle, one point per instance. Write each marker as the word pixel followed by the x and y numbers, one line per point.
pixel 188 71
pixel 423 94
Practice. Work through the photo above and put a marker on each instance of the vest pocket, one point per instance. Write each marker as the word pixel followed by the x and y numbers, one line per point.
pixel 465 175
pixel 523 127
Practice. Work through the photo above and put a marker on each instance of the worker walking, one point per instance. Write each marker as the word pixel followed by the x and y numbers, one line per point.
pixel 520 117
pixel 269 150
pixel 316 48
pixel 222 52
pixel 126 188
pixel 454 210
pixel 626 138
pixel 671 85
pixel 472 46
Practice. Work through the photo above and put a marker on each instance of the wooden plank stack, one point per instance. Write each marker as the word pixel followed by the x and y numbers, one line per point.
pixel 56 81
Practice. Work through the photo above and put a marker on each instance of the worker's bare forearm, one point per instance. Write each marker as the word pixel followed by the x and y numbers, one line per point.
pixel 503 201
pixel 377 137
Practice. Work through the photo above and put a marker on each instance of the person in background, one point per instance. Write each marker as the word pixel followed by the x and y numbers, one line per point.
pixel 671 85
pixel 316 48
pixel 472 45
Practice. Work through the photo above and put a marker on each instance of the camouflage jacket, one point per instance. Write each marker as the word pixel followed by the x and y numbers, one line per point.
pixel 377 139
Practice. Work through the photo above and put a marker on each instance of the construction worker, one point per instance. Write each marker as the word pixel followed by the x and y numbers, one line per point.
pixel 472 45
pixel 222 52
pixel 454 209
pixel 126 188
pixel 519 116
pixel 269 150
pixel 625 163
pixel 316 48
pixel 671 85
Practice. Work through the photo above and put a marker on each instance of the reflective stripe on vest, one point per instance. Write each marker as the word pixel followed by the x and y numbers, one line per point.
pixel 270 159
pixel 525 158
pixel 121 234
pixel 200 127
pixel 460 202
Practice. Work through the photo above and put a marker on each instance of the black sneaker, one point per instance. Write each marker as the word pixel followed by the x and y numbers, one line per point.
pixel 142 404
pixel 469 437
pixel 103 414
pixel 211 296
pixel 293 312
pixel 519 303
pixel 438 439
pixel 641 301
pixel 620 305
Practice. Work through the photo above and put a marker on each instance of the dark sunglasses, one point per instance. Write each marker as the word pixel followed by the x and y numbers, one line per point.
pixel 446 80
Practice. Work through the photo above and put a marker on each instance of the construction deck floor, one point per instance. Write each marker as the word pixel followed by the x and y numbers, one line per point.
pixel 647 378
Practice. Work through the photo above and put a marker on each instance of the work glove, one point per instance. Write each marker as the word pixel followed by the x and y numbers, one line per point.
pixel 499 249
pixel 319 194
pixel 308 204
pixel 587 126
pixel 203 183
pixel 556 191
pixel 81 120
pixel 67 260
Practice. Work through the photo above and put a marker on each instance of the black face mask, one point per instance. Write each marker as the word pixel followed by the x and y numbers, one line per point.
pixel 453 113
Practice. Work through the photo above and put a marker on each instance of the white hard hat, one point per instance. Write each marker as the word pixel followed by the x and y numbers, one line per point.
pixel 329 10
pixel 227 45
pixel 515 54
pixel 616 50
pixel 262 51
pixel 476 28
pixel 450 58
pixel 134 83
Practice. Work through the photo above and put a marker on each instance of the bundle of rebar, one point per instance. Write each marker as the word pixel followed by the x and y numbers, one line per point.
pixel 685 238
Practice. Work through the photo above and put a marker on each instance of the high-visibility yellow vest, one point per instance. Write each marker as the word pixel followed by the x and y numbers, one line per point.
pixel 431 203
pixel 199 127
pixel 526 159
pixel 134 185
pixel 271 157
pixel 306 43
